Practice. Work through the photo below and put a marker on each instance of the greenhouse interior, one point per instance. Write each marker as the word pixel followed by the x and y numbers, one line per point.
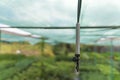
pixel 59 40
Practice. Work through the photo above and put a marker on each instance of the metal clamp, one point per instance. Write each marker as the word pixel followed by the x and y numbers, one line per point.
pixel 76 60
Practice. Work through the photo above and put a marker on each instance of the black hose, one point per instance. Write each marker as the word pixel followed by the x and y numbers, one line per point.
pixel 79 10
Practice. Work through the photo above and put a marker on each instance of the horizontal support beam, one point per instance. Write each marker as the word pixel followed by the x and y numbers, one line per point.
pixel 99 35
pixel 62 27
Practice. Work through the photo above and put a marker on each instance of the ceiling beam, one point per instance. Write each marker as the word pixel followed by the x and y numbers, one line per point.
pixel 65 27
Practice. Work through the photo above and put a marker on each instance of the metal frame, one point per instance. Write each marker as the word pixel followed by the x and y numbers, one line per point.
pixel 66 27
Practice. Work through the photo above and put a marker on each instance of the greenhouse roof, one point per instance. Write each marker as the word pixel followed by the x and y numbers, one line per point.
pixel 56 19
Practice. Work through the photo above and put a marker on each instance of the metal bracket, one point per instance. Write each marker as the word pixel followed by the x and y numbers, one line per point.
pixel 76 60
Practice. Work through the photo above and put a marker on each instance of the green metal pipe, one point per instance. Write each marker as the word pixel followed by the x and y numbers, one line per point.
pixel 0 41
pixel 111 61
pixel 95 50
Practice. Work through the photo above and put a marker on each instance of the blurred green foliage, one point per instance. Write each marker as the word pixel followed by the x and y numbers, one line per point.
pixel 33 68
pixel 54 62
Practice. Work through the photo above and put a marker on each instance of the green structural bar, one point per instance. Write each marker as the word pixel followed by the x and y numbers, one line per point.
pixel 95 51
pixel 111 61
pixel 0 41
